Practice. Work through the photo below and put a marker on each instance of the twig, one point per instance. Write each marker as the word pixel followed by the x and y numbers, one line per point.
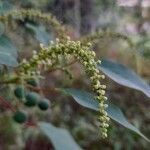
pixel 61 68
pixel 38 89
pixel 6 104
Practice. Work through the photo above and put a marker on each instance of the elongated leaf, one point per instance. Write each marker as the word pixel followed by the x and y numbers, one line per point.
pixel 86 99
pixel 7 46
pixel 7 59
pixel 60 138
pixel 2 28
pixel 5 6
pixel 8 53
pixel 124 76
pixel 40 33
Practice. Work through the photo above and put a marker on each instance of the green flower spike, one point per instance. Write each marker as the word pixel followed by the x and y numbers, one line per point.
pixel 47 57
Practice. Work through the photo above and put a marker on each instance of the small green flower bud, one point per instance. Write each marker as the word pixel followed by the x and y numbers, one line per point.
pixel 99 62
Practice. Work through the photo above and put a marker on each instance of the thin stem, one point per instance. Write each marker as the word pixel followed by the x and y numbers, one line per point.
pixel 38 89
pixel 61 68
pixel 6 104
pixel 10 81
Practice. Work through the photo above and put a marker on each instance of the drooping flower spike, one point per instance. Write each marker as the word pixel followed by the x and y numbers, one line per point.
pixel 47 55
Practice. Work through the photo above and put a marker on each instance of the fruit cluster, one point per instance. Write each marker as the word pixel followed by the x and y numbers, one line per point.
pixel 29 99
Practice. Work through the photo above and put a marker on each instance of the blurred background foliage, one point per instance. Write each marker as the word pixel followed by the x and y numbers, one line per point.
pixel 129 17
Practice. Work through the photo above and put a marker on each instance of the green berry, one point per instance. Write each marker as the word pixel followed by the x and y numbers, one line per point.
pixel 31 99
pixel 43 105
pixel 19 92
pixel 32 82
pixel 20 117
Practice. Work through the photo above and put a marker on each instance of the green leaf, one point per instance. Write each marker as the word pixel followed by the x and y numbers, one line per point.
pixel 2 29
pixel 40 33
pixel 5 6
pixel 7 46
pixel 8 53
pixel 124 76
pixel 87 100
pixel 60 138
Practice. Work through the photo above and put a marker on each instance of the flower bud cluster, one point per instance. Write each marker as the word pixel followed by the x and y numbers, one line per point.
pixel 94 37
pixel 47 56
pixel 35 15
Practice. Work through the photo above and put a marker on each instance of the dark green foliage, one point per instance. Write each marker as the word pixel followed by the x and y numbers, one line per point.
pixel 32 82
pixel 124 76
pixel 43 105
pixel 31 99
pixel 19 92
pixel 20 117
pixel 8 55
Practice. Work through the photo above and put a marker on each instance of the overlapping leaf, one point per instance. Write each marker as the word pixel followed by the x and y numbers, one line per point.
pixel 86 99
pixel 8 52
pixel 60 138
pixel 40 33
pixel 124 76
